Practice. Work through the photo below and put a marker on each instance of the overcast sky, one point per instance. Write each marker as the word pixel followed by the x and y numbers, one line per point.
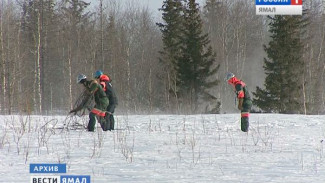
pixel 154 5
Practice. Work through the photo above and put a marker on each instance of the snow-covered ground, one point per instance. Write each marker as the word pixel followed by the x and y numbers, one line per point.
pixel 169 148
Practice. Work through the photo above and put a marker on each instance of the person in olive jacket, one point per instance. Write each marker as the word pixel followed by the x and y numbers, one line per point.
pixel 94 89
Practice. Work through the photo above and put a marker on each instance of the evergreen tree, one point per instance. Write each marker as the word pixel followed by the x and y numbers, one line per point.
pixel 171 29
pixel 283 66
pixel 196 64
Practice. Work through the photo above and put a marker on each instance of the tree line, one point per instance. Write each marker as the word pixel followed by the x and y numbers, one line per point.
pixel 175 64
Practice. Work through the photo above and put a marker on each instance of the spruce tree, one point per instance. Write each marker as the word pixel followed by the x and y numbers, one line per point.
pixel 187 54
pixel 283 67
pixel 171 30
pixel 196 64
pixel 171 36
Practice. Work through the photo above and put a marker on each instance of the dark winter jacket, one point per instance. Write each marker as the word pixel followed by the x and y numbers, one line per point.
pixel 110 92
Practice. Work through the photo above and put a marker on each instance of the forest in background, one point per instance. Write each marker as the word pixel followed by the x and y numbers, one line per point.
pixel 45 44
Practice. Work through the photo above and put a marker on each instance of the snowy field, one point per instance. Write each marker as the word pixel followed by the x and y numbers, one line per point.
pixel 169 148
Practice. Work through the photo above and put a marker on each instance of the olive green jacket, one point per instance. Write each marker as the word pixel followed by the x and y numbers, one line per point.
pixel 94 88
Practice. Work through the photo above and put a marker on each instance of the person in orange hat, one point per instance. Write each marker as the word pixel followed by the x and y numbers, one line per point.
pixel 244 99
pixel 105 81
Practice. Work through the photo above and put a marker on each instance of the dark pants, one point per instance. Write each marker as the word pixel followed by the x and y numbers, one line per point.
pixel 105 126
pixel 92 122
pixel 109 116
pixel 110 122
pixel 111 108
pixel 244 122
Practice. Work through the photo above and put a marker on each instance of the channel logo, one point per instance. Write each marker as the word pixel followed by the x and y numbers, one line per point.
pixel 278 7
pixel 47 168
pixel 60 179
pixel 278 2
pixel 54 169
